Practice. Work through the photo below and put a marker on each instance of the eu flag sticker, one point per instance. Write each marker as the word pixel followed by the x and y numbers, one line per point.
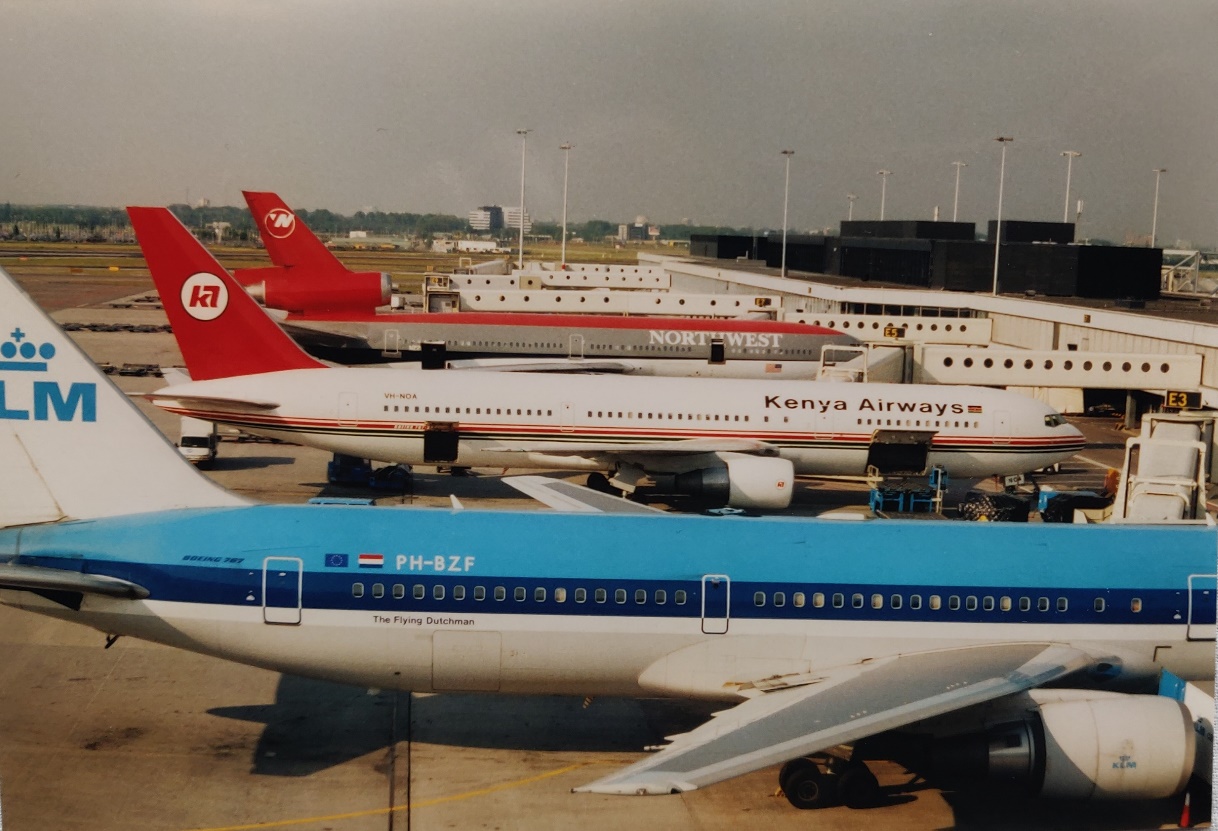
pixel 336 561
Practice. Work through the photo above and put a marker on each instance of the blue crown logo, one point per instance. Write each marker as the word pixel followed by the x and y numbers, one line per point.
pixel 28 353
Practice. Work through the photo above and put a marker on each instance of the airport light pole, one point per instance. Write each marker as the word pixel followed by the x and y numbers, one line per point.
pixel 850 197
pixel 1002 169
pixel 883 174
pixel 1154 222
pixel 1070 155
pixel 956 200
pixel 523 142
pixel 565 147
pixel 786 192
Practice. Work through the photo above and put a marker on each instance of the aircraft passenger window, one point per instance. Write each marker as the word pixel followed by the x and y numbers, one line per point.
pixel 1004 603
pixel 477 411
pixel 780 599
pixel 479 592
pixel 539 595
pixel 528 412
pixel 915 601
pixel 856 600
pixel 500 593
pixel 680 416
pixel 399 591
pixel 1099 604
pixel 953 602
pixel 1062 604
pixel 758 598
pixel 600 595
pixel 640 596
pixel 549 412
pixel 357 589
pixel 1042 604
pixel 519 594
pixel 458 592
pixel 818 600
pixel 895 601
pixel 560 595
pixel 378 590
pixel 746 418
pixel 678 597
pixel 619 596
pixel 936 602
pixel 877 601
pixel 839 600
pixel 419 591
pixel 970 603
pixel 661 597
pixel 437 591
pixel 1025 603
pixel 987 603
pixel 581 595
pixel 1135 605
pixel 797 600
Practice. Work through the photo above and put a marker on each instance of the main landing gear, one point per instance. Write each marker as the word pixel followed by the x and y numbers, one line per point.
pixel 824 780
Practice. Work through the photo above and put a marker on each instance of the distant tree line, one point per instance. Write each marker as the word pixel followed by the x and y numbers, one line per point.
pixel 93 222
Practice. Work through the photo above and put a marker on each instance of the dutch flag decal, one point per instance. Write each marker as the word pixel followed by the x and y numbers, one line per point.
pixel 371 560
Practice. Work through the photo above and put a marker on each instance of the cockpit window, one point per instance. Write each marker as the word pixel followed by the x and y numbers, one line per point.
pixel 1054 420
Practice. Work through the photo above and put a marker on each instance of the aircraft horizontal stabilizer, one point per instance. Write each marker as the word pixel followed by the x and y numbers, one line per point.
pixel 569 497
pixel 13 576
pixel 843 706
pixel 168 396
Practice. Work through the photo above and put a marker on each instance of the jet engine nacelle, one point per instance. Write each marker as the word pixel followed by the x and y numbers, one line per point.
pixel 764 483
pixel 1105 747
pixel 302 291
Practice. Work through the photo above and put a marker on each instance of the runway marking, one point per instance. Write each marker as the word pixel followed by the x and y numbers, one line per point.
pixel 1092 462
pixel 427 803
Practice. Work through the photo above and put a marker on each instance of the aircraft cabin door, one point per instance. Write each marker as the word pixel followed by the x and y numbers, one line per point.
pixel 282 584
pixel 716 603
pixel 1201 609
pixel 576 349
pixel 566 423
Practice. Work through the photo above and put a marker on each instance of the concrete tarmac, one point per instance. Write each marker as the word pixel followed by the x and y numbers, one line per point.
pixel 144 736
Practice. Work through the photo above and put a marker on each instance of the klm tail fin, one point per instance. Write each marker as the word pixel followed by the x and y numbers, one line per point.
pixel 288 241
pixel 72 445
pixel 221 331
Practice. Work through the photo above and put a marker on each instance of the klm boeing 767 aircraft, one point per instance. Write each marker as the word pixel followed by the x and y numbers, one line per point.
pixel 811 633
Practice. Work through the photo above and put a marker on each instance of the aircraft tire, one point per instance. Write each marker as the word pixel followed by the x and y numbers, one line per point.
pixel 858 787
pixel 806 787
pixel 600 482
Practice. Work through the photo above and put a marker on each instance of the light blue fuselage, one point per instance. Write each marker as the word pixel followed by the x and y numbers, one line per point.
pixel 631 605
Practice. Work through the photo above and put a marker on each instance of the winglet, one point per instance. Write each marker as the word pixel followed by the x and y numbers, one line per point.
pixel 221 331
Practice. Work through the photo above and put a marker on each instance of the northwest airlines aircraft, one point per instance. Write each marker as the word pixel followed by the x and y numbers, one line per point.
pixel 332 313
pixel 737 440
pixel 811 633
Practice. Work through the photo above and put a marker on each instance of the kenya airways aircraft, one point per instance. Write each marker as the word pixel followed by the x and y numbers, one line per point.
pixel 333 314
pixel 735 440
pixel 812 633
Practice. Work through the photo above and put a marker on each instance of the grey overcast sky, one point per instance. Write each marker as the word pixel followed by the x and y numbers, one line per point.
pixel 677 108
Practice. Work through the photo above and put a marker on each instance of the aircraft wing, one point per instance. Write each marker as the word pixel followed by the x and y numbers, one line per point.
pixel 569 497
pixel 247 404
pixel 684 447
pixel 838 707
pixel 14 576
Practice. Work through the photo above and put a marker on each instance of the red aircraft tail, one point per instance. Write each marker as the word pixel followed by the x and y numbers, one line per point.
pixel 288 241
pixel 221 331
pixel 306 277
